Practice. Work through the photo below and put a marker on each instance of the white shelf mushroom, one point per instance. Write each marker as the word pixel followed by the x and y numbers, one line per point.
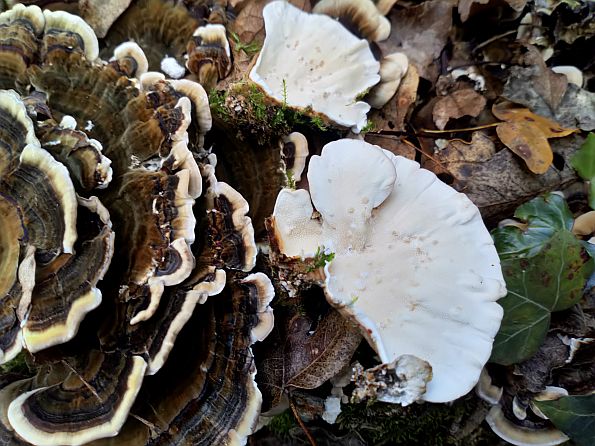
pixel 414 265
pixel 311 60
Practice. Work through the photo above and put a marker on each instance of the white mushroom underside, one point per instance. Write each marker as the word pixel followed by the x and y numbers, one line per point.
pixel 420 274
pixel 312 60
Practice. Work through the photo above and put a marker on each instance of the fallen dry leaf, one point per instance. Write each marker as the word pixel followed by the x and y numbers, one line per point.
pixel 505 111
pixel 550 86
pixel 527 141
pixel 421 43
pixel 465 6
pixel 249 24
pixel 304 355
pixel 576 109
pixel 499 182
pixel 464 102
pixel 392 144
pixel 526 134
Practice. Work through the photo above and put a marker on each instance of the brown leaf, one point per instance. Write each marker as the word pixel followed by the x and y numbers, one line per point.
pixel 304 356
pixel 392 116
pixel 465 6
pixel 527 141
pixel 249 24
pixel 392 144
pixel 499 182
pixel 550 129
pixel 465 102
pixel 421 32
pixel 550 86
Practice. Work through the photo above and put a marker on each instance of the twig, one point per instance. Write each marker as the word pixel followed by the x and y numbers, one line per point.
pixel 493 39
pixel 468 129
pixel 87 385
pixel 301 423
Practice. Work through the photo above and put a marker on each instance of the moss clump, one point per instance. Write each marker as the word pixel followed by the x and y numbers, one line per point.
pixel 247 109
pixel 457 424
pixel 17 365
pixel 281 424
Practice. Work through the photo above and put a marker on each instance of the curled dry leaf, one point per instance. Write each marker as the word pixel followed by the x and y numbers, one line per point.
pixel 303 355
pixel 464 102
pixel 550 129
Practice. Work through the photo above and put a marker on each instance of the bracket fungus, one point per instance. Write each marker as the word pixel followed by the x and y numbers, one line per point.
pixel 411 256
pixel 102 289
pixel 311 61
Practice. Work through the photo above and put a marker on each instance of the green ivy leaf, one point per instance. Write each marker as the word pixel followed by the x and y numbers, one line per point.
pixel 584 163
pixel 573 415
pixel 552 280
pixel 544 216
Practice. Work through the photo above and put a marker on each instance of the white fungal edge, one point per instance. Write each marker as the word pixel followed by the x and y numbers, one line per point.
pixel 26 430
pixel 411 259
pixel 312 60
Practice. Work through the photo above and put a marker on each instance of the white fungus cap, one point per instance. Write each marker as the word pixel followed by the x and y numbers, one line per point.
pixel 414 265
pixel 313 60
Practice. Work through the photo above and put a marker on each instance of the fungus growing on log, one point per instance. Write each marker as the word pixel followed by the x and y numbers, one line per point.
pixel 310 61
pixel 411 255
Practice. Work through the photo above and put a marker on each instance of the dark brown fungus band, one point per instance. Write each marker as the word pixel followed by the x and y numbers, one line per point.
pixel 209 55
pixel 91 402
pixel 210 372
pixel 20 29
pixel 161 28
pixel 63 297
pixel 88 167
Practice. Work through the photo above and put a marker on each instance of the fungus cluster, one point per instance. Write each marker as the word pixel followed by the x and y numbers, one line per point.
pixel 128 273
pixel 115 233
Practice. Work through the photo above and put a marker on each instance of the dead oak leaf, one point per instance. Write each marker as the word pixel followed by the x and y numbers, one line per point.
pixel 526 134
pixel 506 111
pixel 464 102
pixel 527 141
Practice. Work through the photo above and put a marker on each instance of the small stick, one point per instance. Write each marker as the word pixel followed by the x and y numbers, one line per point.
pixel 87 385
pixel 301 423
pixel 468 129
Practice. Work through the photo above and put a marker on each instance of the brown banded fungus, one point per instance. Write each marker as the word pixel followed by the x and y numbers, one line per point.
pixel 179 236
pixel 313 63
pixel 209 55
pixel 362 17
pixel 411 255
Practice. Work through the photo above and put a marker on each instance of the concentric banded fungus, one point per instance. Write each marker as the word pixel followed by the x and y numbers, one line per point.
pixel 131 59
pixel 62 297
pixel 20 28
pixel 162 28
pixel 374 208
pixel 522 436
pixel 295 152
pixel 361 17
pixel 392 69
pixel 209 56
pixel 67 31
pixel 216 399
pixel 87 405
pixel 311 60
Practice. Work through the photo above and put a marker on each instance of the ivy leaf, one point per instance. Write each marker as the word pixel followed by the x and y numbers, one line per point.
pixel 573 415
pixel 543 216
pixel 552 280
pixel 584 163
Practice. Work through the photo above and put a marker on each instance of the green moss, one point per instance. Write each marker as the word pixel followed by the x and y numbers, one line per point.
pixel 290 179
pixel 248 110
pixel 249 48
pixel 369 127
pixel 321 258
pixel 426 424
pixel 281 424
pixel 16 365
